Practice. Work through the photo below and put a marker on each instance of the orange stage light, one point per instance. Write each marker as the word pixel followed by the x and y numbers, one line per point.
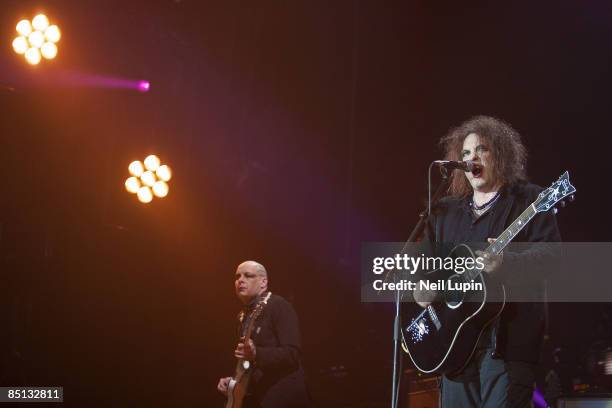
pixel 149 179
pixel 37 39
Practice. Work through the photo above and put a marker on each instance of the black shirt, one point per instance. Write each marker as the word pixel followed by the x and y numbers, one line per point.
pixel 277 380
pixel 453 222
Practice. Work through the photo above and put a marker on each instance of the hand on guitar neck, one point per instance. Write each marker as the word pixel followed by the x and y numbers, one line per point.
pixel 424 297
pixel 491 261
pixel 246 351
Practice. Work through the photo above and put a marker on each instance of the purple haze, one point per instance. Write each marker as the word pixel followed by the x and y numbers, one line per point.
pixel 538 399
pixel 66 78
pixel 143 86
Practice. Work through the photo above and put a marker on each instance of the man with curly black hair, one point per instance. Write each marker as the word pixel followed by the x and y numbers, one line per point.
pixel 481 205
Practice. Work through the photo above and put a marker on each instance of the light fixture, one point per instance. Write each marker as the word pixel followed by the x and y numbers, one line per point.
pixel 37 39
pixel 149 179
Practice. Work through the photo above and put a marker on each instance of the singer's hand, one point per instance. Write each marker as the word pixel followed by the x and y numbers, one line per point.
pixel 491 262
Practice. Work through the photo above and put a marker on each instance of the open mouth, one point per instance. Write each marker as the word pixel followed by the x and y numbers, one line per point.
pixel 477 171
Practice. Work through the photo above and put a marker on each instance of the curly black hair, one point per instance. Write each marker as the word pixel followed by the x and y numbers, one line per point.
pixel 508 154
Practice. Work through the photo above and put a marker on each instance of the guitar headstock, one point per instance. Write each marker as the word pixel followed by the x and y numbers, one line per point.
pixel 259 307
pixel 554 194
pixel 257 310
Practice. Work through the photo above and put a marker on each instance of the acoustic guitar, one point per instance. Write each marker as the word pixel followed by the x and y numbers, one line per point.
pixel 442 337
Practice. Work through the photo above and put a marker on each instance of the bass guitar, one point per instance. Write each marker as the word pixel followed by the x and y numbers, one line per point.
pixel 238 385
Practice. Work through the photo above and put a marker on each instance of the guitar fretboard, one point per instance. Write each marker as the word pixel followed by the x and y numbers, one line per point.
pixel 506 237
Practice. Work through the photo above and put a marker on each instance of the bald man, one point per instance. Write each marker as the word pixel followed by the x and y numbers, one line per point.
pixel 277 379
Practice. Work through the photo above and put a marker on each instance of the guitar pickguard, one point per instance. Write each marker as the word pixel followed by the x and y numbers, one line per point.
pixel 421 326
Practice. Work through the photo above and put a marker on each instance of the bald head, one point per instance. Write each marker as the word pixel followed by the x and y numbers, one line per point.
pixel 251 280
pixel 255 266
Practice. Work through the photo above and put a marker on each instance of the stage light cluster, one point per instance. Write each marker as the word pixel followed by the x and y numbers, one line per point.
pixel 37 39
pixel 149 179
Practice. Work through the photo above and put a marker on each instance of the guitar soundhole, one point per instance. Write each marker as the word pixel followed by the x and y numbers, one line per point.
pixel 454 298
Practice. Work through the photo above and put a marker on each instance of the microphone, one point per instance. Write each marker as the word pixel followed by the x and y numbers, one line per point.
pixel 468 165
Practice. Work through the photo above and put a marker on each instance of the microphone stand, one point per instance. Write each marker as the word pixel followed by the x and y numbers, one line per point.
pixel 414 235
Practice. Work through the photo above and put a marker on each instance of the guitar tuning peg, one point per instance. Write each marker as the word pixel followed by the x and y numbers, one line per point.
pixel 572 197
pixel 562 203
pixel 555 210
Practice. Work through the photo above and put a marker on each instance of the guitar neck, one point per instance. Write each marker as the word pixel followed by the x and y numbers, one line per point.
pixel 512 231
pixel 497 246
pixel 241 369
pixel 244 367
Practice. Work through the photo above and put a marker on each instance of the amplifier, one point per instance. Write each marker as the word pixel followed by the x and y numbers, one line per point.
pixel 423 390
pixel 584 402
pixel 423 399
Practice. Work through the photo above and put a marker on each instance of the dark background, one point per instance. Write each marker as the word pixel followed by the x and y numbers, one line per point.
pixel 296 130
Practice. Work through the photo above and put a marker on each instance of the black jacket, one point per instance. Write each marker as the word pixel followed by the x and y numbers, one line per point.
pixel 278 377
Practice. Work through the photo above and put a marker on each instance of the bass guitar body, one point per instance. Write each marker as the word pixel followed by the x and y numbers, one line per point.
pixel 237 388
